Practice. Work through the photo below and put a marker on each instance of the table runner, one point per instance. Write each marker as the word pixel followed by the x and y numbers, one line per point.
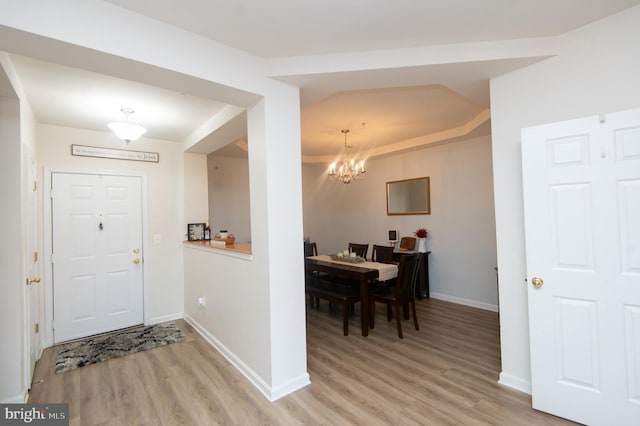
pixel 386 271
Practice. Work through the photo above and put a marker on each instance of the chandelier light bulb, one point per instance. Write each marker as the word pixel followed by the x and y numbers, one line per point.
pixel 348 170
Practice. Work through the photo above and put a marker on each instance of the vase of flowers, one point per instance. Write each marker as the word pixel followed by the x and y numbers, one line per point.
pixel 421 235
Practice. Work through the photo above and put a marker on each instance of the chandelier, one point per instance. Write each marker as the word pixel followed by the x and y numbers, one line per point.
pixel 348 170
pixel 126 130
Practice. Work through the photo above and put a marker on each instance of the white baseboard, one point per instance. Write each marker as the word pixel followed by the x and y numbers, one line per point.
pixel 515 383
pixel 165 318
pixel 272 394
pixel 466 302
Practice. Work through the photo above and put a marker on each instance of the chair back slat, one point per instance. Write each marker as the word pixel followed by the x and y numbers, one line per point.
pixel 407 273
pixel 382 254
pixel 310 249
pixel 359 249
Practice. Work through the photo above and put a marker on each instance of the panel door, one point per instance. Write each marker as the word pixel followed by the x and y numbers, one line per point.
pixel 581 183
pixel 97 254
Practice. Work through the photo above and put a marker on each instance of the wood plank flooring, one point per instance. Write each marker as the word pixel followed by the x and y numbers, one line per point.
pixel 444 374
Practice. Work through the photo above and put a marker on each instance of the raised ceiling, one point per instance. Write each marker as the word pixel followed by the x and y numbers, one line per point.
pixel 387 109
pixel 381 121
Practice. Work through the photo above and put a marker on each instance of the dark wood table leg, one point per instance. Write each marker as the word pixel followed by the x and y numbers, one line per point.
pixel 364 305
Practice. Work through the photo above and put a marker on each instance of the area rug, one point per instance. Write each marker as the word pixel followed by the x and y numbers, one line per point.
pixel 101 348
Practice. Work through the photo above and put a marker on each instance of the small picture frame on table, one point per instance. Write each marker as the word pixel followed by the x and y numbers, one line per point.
pixel 393 235
pixel 195 231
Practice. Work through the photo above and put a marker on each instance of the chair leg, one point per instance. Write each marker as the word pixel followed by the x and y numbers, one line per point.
pixel 415 317
pixel 388 312
pixel 372 314
pixel 399 319
pixel 345 319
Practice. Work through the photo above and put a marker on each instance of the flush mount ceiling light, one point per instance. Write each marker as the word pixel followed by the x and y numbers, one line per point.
pixel 127 130
pixel 348 170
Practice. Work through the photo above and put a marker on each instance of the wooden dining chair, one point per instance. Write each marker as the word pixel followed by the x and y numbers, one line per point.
pixel 359 249
pixel 334 291
pixel 402 293
pixel 310 249
pixel 382 254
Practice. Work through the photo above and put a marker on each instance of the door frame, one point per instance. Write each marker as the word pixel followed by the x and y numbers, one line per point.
pixel 31 266
pixel 48 240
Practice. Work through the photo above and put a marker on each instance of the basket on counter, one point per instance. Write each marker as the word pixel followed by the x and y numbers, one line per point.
pixel 228 241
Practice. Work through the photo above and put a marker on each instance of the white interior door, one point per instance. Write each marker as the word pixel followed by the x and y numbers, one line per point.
pixel 582 222
pixel 97 253
pixel 32 283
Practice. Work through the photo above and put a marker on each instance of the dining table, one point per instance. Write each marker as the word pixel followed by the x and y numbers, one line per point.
pixel 363 271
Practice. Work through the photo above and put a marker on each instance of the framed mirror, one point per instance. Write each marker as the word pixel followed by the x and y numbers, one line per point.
pixel 408 196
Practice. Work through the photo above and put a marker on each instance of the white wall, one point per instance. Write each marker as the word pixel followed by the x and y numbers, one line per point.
pixel 229 197
pixel 11 269
pixel 205 68
pixel 461 224
pixel 196 193
pixel 17 133
pixel 164 204
pixel 255 305
pixel 595 72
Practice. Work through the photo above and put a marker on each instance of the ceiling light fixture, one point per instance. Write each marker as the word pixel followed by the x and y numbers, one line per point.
pixel 126 130
pixel 349 170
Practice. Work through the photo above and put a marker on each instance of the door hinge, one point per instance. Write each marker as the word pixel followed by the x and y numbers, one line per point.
pixel 35 256
pixel 36 328
pixel 35 186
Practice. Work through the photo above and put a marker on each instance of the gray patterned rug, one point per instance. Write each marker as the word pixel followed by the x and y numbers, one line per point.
pixel 101 348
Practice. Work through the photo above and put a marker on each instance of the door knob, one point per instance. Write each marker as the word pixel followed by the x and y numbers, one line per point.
pixel 136 250
pixel 33 280
pixel 136 260
pixel 537 282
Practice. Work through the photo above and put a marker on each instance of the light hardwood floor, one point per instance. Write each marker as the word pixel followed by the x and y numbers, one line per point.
pixel 444 374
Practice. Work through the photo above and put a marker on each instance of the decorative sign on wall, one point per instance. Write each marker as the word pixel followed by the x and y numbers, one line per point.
pixel 116 154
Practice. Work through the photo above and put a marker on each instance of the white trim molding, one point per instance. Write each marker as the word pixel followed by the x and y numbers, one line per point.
pixel 515 383
pixel 272 394
pixel 466 302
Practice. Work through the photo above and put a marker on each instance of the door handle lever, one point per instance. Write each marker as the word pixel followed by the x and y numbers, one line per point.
pixel 33 280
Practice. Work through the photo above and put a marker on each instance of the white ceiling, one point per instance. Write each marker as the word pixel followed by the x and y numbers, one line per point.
pixel 386 110
pixel 280 28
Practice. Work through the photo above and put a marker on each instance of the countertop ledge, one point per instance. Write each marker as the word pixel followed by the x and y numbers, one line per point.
pixel 242 249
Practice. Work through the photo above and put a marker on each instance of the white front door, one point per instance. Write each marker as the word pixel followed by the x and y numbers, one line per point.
pixel 97 253
pixel 581 182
